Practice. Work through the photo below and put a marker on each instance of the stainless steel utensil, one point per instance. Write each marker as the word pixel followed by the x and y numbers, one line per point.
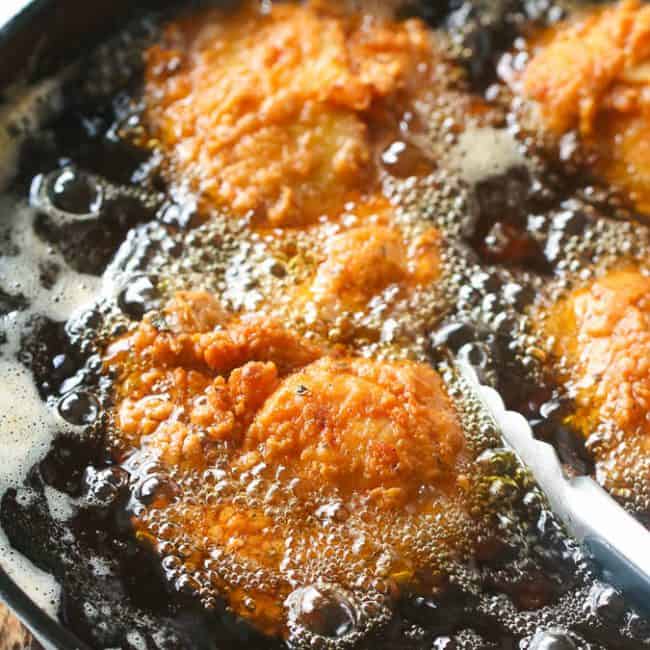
pixel 614 538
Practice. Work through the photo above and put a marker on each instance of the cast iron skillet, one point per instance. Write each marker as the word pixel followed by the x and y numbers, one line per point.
pixel 36 42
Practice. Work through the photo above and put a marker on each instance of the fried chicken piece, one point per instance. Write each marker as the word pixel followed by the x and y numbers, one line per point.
pixel 601 335
pixel 589 65
pixel 266 111
pixel 183 391
pixel 274 442
pixel 360 263
pixel 386 428
pixel 593 74
pixel 337 420
pixel 367 256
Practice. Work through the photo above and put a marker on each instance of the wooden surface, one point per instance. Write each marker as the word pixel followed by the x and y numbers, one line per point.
pixel 13 636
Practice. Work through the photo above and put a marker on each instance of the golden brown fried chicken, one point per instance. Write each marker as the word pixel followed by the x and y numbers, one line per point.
pixel 592 74
pixel 265 110
pixel 359 425
pixel 332 418
pixel 287 455
pixel 187 389
pixel 601 338
pixel 360 263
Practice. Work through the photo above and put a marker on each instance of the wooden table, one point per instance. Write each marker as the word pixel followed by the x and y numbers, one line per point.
pixel 13 636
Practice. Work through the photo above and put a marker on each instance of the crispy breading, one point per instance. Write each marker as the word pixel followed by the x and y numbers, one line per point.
pixel 592 64
pixel 253 401
pixel 361 262
pixel 185 390
pixel 266 111
pixel 601 339
pixel 387 428
pixel 592 74
pixel 334 419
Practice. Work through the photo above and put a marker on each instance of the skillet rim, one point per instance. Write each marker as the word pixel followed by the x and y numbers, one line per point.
pixel 47 630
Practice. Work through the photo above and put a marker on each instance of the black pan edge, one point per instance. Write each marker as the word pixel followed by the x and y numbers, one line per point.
pixel 41 624
pixel 40 38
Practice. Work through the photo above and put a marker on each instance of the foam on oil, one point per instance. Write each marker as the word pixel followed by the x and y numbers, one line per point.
pixel 27 424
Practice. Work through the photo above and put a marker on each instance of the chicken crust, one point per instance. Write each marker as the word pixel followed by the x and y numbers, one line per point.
pixel 385 428
pixel 352 423
pixel 592 74
pixel 182 391
pixel 360 263
pixel 601 339
pixel 265 112
pixel 244 402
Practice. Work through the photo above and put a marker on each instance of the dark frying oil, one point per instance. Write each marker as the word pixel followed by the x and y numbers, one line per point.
pixel 528 586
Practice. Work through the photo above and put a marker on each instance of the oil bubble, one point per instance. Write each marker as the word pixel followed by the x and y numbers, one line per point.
pixel 104 487
pixel 74 192
pixel 322 610
pixel 138 297
pixel 79 408
pixel 553 639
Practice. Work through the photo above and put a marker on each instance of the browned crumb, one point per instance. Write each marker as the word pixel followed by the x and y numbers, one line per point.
pixel 266 111
pixel 592 74
pixel 246 397
pixel 601 339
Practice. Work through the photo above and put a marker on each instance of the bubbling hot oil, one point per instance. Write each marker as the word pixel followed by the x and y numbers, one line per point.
pixel 297 511
pixel 511 580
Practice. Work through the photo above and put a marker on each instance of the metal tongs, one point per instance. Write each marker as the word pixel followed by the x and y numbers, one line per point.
pixel 615 539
